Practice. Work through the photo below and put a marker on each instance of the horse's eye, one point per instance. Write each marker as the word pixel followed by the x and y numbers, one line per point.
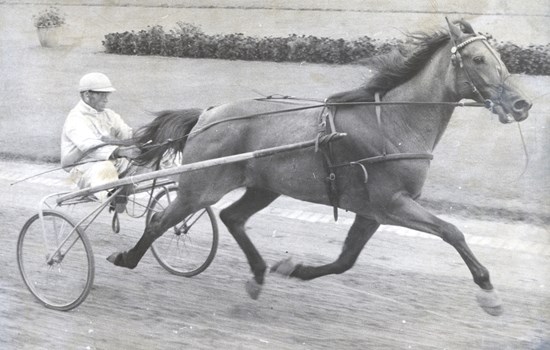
pixel 479 59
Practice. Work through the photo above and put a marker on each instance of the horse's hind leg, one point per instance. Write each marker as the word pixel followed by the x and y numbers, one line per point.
pixel 235 217
pixel 160 222
pixel 404 211
pixel 359 234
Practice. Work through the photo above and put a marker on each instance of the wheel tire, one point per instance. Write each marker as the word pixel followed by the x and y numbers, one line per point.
pixel 188 248
pixel 60 283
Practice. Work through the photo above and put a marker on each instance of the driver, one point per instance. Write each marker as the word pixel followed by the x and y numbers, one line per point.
pixel 87 137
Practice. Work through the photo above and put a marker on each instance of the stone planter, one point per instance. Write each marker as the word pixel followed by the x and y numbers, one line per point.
pixel 49 37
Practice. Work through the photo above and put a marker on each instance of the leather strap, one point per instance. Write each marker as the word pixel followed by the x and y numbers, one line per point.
pixel 327 127
pixel 385 156
pixel 378 109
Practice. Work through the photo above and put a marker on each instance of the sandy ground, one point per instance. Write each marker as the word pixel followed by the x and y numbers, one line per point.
pixel 407 290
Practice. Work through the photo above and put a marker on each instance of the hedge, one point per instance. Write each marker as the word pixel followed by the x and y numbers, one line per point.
pixel 190 41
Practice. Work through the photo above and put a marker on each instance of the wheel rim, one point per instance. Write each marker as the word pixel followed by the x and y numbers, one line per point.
pixel 189 247
pixel 59 279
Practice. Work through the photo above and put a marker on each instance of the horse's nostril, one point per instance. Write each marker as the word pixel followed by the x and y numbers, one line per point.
pixel 522 105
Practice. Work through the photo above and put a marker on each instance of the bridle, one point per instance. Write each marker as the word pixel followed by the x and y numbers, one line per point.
pixel 456 59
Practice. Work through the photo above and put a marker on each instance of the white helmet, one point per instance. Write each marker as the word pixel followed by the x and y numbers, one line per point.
pixel 95 82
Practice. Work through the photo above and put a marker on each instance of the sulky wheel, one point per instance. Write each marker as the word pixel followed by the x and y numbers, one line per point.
pixel 55 260
pixel 188 248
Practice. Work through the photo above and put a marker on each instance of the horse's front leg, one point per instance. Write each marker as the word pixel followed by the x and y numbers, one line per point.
pixel 160 222
pixel 235 217
pixel 359 234
pixel 404 211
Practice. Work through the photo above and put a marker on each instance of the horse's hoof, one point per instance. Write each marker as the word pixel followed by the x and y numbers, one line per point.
pixel 253 288
pixel 490 302
pixel 116 259
pixel 284 267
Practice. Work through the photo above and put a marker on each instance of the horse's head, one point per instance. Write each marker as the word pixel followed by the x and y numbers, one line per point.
pixel 482 76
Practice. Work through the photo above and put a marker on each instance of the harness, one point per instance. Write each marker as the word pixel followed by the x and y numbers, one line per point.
pixel 329 128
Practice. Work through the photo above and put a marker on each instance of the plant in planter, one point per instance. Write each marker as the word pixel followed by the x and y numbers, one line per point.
pixel 47 23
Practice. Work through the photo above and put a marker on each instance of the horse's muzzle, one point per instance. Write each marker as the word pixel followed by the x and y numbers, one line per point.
pixel 521 109
pixel 518 112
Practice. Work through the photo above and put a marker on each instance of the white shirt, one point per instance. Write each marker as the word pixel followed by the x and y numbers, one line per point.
pixel 86 128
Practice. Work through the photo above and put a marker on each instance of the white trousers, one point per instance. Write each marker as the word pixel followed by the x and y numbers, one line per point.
pixel 99 173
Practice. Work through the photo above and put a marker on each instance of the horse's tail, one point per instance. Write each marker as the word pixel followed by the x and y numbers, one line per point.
pixel 168 131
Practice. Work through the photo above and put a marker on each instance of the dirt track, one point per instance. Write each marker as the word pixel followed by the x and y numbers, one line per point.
pixel 407 291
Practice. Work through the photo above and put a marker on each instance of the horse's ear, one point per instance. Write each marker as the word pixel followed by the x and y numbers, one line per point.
pixel 466 27
pixel 454 30
pixel 455 33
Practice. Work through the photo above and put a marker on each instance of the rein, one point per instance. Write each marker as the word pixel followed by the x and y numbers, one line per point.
pixel 321 104
pixel 327 104
pixel 279 98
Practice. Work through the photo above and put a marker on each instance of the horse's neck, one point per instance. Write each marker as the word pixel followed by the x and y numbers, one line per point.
pixel 419 128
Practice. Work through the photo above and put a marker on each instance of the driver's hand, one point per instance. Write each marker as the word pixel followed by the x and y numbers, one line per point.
pixel 130 152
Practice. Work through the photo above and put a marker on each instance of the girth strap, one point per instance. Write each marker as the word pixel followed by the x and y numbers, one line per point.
pixel 383 158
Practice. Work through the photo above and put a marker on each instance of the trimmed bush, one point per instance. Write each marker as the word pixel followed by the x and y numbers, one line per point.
pixel 188 40
pixel 532 60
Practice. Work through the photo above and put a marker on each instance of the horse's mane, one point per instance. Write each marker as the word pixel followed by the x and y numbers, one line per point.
pixel 404 63
pixel 400 65
pixel 397 67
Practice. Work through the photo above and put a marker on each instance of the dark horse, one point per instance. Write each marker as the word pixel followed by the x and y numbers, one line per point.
pixel 444 67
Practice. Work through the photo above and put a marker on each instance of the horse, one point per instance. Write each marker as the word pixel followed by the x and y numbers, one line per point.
pixel 392 123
